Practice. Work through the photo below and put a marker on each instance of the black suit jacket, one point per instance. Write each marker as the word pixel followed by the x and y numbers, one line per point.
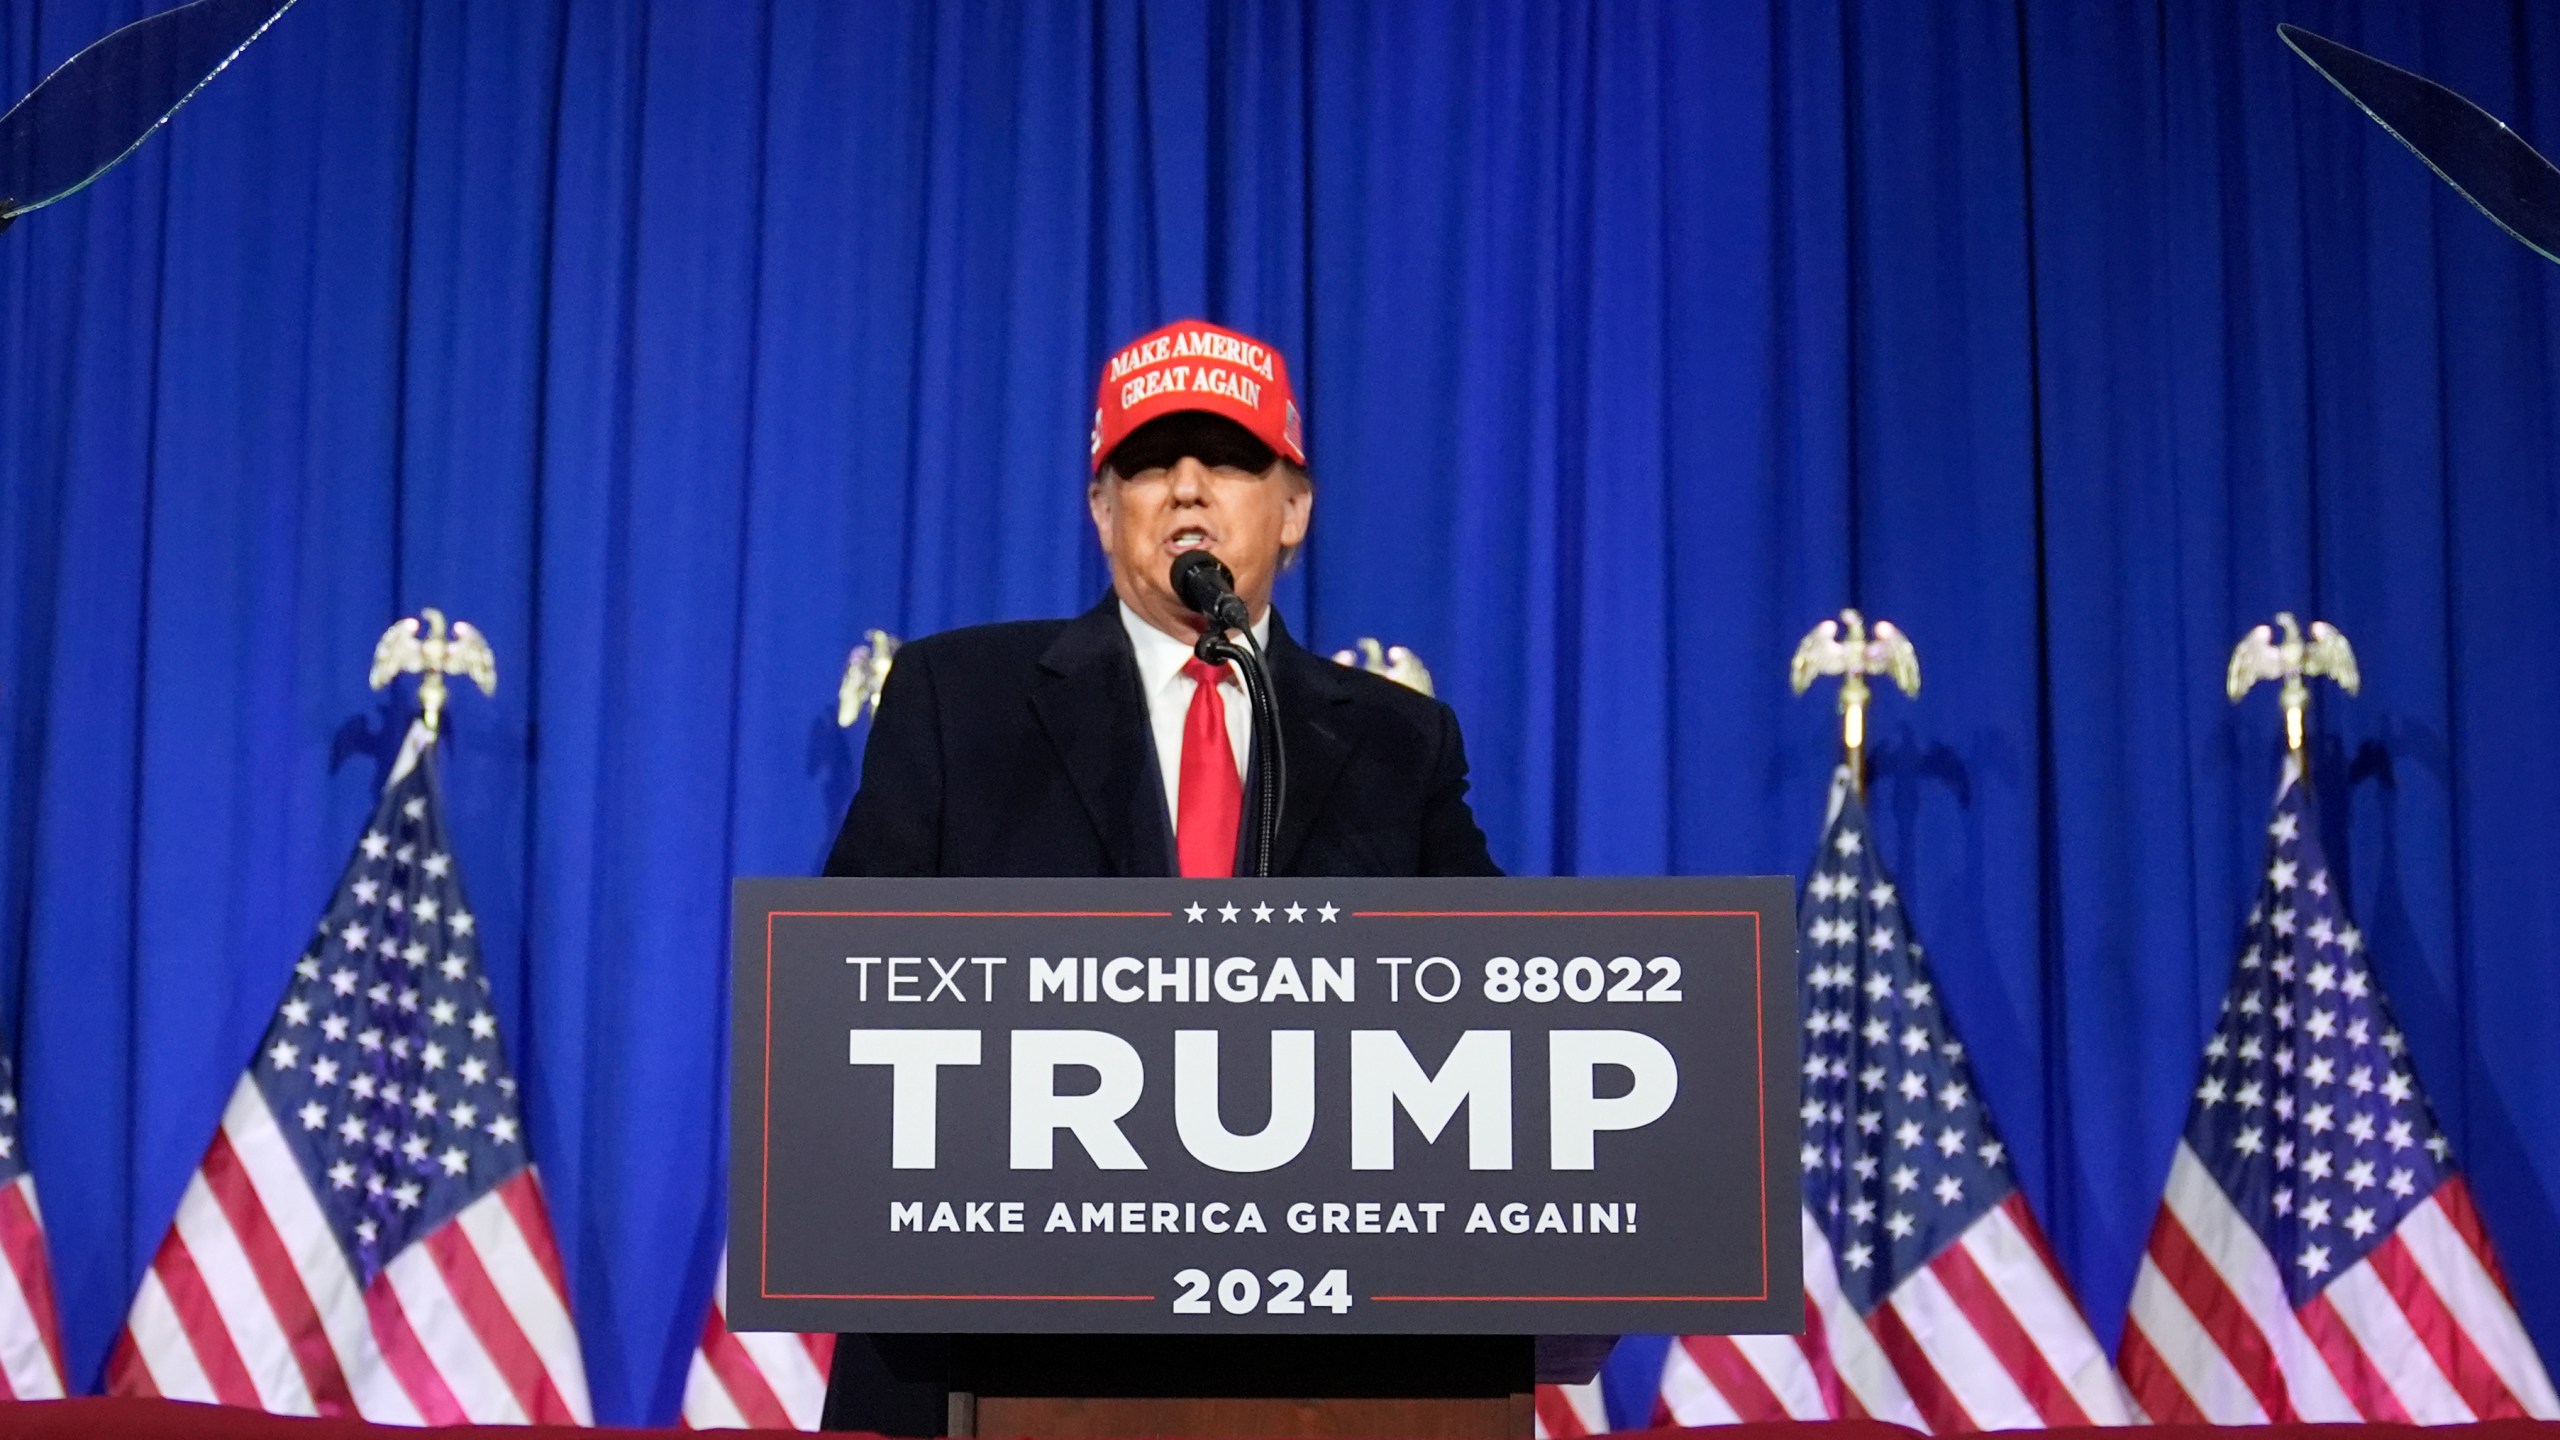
pixel 1024 749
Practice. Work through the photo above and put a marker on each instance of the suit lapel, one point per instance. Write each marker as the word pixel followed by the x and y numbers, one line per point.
pixel 1311 692
pixel 1095 715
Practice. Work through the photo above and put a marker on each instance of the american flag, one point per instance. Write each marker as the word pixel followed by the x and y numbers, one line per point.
pixel 754 1381
pixel 2316 1257
pixel 30 1335
pixel 1931 1299
pixel 365 1235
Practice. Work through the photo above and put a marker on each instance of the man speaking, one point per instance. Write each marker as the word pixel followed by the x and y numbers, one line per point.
pixel 1100 746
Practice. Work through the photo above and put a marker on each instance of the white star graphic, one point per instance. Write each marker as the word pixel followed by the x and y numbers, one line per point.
pixel 1326 912
pixel 503 1129
pixel 2315 1259
pixel 1899 1225
pixel 1196 911
pixel 1950 1189
pixel 342 1176
pixel 461 922
pixel 1859 1256
pixel 1228 913
pixel 1262 914
pixel 436 865
pixel 315 1116
pixel 1905 1179
pixel 454 1161
pixel 1297 914
pixel 283 1055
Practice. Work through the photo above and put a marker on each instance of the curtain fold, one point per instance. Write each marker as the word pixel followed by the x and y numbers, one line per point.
pixel 675 343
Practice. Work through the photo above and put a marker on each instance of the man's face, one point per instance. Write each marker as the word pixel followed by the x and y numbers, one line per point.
pixel 1196 482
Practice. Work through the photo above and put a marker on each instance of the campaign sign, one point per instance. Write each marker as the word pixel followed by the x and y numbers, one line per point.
pixel 1265 1106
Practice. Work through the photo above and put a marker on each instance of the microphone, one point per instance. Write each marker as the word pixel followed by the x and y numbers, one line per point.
pixel 1208 588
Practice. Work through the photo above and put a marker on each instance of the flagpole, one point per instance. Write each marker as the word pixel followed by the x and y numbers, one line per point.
pixel 1844 647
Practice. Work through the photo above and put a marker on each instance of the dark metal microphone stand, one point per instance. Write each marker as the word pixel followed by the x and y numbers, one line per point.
pixel 1270 755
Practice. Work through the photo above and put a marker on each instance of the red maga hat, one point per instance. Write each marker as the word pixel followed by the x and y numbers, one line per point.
pixel 1194 365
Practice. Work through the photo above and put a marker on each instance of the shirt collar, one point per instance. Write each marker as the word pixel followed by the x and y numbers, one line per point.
pixel 1161 656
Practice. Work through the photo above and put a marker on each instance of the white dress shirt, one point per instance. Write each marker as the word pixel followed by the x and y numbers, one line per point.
pixel 1160 661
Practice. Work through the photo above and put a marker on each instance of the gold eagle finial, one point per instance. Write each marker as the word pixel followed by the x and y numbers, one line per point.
pixel 866 670
pixel 2291 661
pixel 1393 661
pixel 432 656
pixel 1846 647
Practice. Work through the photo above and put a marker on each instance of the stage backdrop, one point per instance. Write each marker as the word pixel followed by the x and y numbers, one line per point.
pixel 673 344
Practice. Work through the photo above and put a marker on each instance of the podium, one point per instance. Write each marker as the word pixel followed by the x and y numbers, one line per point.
pixel 1243 1158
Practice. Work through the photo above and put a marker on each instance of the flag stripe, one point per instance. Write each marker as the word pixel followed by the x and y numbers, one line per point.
pixel 231 1287
pixel 1733 1377
pixel 1866 1371
pixel 1961 1355
pixel 1570 1410
pixel 1780 1361
pixel 30 1339
pixel 267 1162
pixel 1942 1413
pixel 515 1265
pixel 2224 1238
pixel 1687 1397
pixel 2149 1376
pixel 2012 1251
pixel 707 1405
pixel 277 1279
pixel 2225 1322
pixel 1814 1345
pixel 226 1375
pixel 774 1381
pixel 1980 1301
pixel 2392 1349
pixel 2345 1359
pixel 2456 1358
pixel 522 1195
pixel 126 1373
pixel 156 1359
pixel 745 1386
pixel 784 1362
pixel 407 1354
pixel 2448 1244
pixel 510 1357
pixel 2201 1373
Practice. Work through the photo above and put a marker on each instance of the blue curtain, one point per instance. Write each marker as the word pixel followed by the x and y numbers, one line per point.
pixel 675 343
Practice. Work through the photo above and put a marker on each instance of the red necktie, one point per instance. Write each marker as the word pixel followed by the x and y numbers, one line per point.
pixel 1211 804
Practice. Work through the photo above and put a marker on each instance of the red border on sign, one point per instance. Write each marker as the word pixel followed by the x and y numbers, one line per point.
pixel 1760 1045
